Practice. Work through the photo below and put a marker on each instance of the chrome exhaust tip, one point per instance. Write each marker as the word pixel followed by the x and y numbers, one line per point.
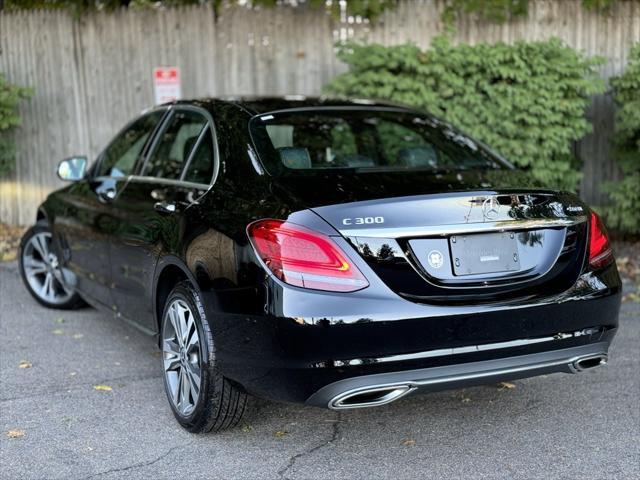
pixel 586 363
pixel 369 397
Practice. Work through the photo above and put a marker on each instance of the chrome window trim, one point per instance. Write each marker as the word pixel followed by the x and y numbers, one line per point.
pixel 158 135
pixel 462 228
pixel 168 181
pixel 145 149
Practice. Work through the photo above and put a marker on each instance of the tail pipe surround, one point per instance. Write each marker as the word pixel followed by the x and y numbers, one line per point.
pixel 586 363
pixel 370 397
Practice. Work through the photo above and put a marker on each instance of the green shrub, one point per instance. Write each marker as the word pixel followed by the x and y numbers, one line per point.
pixel 525 100
pixel 10 96
pixel 624 213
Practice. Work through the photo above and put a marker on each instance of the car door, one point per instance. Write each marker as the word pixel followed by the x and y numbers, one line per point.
pixel 85 225
pixel 149 215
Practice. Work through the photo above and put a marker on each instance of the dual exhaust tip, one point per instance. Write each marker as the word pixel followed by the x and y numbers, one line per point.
pixel 382 394
pixel 586 363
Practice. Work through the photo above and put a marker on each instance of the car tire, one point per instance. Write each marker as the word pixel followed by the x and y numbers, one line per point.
pixel 220 403
pixel 41 271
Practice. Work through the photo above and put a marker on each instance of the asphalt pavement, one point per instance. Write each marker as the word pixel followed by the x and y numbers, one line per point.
pixel 81 397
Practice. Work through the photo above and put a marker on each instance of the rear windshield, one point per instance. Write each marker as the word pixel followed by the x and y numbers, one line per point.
pixel 306 141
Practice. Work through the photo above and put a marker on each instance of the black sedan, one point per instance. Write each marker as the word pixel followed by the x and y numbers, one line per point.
pixel 338 254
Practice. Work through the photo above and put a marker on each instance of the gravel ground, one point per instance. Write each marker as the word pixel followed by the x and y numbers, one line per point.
pixel 569 426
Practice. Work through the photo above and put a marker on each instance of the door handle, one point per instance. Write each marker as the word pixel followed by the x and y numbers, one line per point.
pixel 165 207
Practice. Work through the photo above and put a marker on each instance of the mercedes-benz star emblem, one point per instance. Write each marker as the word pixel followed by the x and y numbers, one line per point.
pixel 435 258
pixel 490 208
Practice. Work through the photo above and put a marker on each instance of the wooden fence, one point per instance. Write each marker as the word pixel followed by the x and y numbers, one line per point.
pixel 90 75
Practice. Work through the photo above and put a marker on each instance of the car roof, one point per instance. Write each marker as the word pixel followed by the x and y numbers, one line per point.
pixel 256 105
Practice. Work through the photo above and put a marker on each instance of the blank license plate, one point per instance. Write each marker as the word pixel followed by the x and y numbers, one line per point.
pixel 484 253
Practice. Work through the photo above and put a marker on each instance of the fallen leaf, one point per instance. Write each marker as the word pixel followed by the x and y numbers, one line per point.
pixel 409 442
pixel 78 335
pixel 247 428
pixel 631 297
pixel 102 388
pixel 60 320
pixel 466 399
pixel 73 374
pixel 25 364
pixel 57 331
pixel 281 433
pixel 15 433
pixel 9 256
pixel 506 386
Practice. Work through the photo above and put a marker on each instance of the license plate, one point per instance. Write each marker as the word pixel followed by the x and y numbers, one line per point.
pixel 484 253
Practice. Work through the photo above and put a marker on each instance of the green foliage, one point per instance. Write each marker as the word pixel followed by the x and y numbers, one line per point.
pixel 624 213
pixel 498 11
pixel 526 100
pixel 364 8
pixel 10 96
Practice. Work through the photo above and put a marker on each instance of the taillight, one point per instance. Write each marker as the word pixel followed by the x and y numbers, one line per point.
pixel 600 253
pixel 304 258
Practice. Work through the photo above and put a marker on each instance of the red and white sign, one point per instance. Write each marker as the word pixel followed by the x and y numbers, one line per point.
pixel 166 84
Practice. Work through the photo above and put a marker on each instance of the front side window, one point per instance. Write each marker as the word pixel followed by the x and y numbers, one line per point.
pixel 310 140
pixel 175 145
pixel 120 157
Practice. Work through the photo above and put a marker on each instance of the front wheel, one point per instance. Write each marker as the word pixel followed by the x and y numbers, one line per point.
pixel 43 275
pixel 202 400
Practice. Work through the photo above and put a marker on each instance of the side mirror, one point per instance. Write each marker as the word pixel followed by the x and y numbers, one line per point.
pixel 72 169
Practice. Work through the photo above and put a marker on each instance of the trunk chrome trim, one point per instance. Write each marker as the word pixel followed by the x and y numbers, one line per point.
pixel 462 228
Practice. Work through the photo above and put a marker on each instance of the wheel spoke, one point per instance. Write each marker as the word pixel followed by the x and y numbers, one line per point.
pixel 47 286
pixel 184 391
pixel 41 245
pixel 194 379
pixel 175 323
pixel 176 392
pixel 171 355
pixel 183 313
pixel 33 266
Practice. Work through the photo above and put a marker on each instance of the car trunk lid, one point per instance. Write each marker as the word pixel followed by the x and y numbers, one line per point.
pixel 473 245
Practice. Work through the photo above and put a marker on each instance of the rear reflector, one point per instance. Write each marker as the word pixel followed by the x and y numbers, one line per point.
pixel 600 254
pixel 304 258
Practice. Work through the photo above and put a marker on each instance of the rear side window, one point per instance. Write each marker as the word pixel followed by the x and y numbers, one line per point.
pixel 200 166
pixel 306 141
pixel 120 157
pixel 175 145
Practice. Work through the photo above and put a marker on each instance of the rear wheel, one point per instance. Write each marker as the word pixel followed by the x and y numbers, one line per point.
pixel 202 400
pixel 43 275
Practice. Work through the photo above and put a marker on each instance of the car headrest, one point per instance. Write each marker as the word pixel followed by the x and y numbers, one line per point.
pixel 424 156
pixel 294 157
pixel 358 161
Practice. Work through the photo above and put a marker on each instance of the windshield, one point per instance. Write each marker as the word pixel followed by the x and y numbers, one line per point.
pixel 325 139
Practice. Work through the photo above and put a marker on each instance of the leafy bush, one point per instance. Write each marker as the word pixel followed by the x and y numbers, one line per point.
pixel 526 100
pixel 624 213
pixel 10 96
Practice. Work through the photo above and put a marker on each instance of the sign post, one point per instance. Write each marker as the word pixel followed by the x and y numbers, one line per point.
pixel 166 84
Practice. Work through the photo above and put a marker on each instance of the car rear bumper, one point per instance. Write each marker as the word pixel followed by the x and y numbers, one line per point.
pixel 293 354
pixel 380 389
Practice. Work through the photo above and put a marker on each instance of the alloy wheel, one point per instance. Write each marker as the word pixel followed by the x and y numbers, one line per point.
pixel 181 357
pixel 43 271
